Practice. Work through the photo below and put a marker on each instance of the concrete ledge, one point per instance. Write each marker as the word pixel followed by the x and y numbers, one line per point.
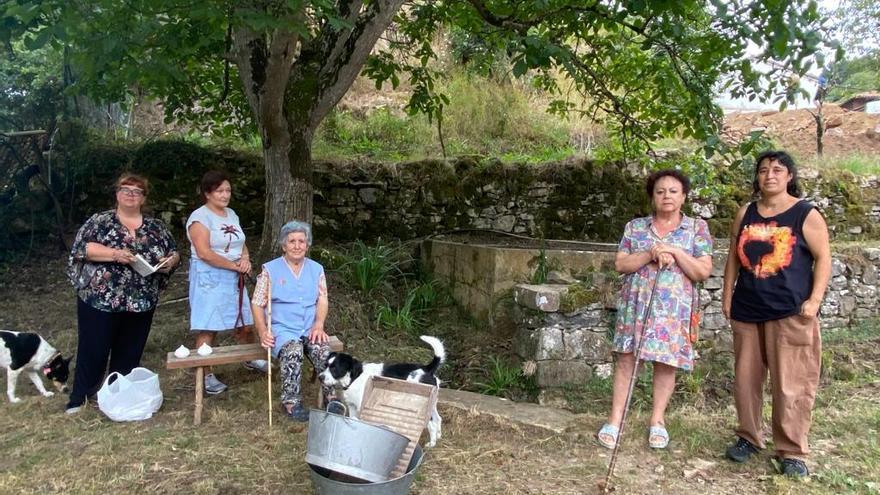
pixel 546 297
pixel 547 418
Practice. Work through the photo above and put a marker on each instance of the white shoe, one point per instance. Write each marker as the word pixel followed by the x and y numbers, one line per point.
pixel 260 365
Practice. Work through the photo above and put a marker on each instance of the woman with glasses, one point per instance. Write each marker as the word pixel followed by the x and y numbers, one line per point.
pixel 115 303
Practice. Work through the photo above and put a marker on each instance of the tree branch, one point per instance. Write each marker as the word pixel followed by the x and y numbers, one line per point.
pixel 264 64
pixel 342 53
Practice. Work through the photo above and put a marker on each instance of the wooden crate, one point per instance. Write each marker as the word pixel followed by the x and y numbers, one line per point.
pixel 402 406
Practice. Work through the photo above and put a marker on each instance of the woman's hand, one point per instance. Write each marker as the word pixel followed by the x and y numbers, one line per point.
pixel 267 340
pixel 243 265
pixel 317 335
pixel 122 256
pixel 726 304
pixel 810 308
pixel 173 261
pixel 664 254
pixel 665 260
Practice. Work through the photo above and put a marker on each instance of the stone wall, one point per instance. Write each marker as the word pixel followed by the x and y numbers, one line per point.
pixel 575 199
pixel 479 275
pixel 570 341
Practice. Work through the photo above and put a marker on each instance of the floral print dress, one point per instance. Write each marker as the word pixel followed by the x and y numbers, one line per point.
pixel 668 323
pixel 114 287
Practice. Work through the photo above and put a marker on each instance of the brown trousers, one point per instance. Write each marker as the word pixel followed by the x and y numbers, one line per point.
pixel 791 350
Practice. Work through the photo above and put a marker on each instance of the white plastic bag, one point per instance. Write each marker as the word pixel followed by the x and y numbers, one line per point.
pixel 133 397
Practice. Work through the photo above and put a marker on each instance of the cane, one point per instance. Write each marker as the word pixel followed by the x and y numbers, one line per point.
pixel 269 349
pixel 606 485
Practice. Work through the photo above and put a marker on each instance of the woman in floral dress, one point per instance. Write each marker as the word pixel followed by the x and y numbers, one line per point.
pixel 115 304
pixel 675 252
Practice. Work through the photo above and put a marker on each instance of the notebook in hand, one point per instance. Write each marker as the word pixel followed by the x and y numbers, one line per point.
pixel 142 266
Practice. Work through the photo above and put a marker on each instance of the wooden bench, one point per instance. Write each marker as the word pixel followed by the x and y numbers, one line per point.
pixel 227 355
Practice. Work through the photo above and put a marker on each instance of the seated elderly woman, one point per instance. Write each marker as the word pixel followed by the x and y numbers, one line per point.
pixel 297 289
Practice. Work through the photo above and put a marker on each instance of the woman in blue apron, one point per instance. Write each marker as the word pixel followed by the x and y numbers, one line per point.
pixel 218 299
pixel 298 290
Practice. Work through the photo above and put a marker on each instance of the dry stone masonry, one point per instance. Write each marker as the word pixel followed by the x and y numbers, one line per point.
pixel 570 341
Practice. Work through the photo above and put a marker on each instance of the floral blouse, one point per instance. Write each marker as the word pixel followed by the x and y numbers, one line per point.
pixel 667 334
pixel 114 287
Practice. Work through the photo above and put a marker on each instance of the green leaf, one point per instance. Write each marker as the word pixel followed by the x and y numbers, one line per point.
pixel 520 68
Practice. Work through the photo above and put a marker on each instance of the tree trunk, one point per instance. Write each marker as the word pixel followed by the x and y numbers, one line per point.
pixel 264 67
pixel 288 188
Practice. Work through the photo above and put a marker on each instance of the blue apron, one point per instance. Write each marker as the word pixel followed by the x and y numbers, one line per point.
pixel 294 300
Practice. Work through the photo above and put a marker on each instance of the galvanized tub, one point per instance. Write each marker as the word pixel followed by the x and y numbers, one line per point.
pixel 351 447
pixel 324 483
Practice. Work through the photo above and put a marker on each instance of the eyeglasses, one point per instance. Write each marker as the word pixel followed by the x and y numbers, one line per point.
pixel 131 191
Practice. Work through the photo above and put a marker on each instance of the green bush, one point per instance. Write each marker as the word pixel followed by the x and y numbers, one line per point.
pixel 412 315
pixel 428 296
pixel 495 118
pixel 378 134
pixel 484 117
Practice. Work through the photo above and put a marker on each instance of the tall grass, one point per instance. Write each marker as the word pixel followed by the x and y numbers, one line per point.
pixel 484 117
pixel 381 134
pixel 412 315
pixel 406 318
pixel 501 378
pixel 857 163
pixel 370 267
pixel 499 118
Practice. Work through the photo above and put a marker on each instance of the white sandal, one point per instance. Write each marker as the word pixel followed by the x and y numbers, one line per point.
pixel 658 437
pixel 610 431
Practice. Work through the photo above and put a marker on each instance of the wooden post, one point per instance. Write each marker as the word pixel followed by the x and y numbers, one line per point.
pixel 269 350
pixel 200 391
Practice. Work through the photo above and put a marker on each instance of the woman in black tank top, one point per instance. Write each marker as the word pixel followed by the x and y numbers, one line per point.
pixel 780 257
pixel 774 280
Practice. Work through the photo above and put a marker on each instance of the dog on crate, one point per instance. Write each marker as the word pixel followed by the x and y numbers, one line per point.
pixel 26 352
pixel 349 376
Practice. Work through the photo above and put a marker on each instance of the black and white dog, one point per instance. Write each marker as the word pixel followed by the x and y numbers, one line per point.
pixel 29 353
pixel 350 377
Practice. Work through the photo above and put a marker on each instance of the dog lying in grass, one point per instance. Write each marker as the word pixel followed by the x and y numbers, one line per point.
pixel 26 352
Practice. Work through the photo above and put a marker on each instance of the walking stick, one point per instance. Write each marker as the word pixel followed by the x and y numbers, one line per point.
pixel 605 486
pixel 269 349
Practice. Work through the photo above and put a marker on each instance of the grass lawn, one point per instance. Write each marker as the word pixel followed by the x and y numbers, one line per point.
pixel 233 451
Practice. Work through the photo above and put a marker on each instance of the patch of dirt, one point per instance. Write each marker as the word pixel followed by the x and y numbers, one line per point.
pixel 795 130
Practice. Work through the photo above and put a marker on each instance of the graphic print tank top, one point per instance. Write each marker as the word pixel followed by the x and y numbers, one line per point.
pixel 776 266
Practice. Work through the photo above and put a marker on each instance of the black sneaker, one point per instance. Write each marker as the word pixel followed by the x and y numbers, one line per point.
pixel 741 450
pixel 297 413
pixel 795 468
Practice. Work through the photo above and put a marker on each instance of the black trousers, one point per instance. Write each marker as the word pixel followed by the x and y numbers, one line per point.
pixel 121 337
